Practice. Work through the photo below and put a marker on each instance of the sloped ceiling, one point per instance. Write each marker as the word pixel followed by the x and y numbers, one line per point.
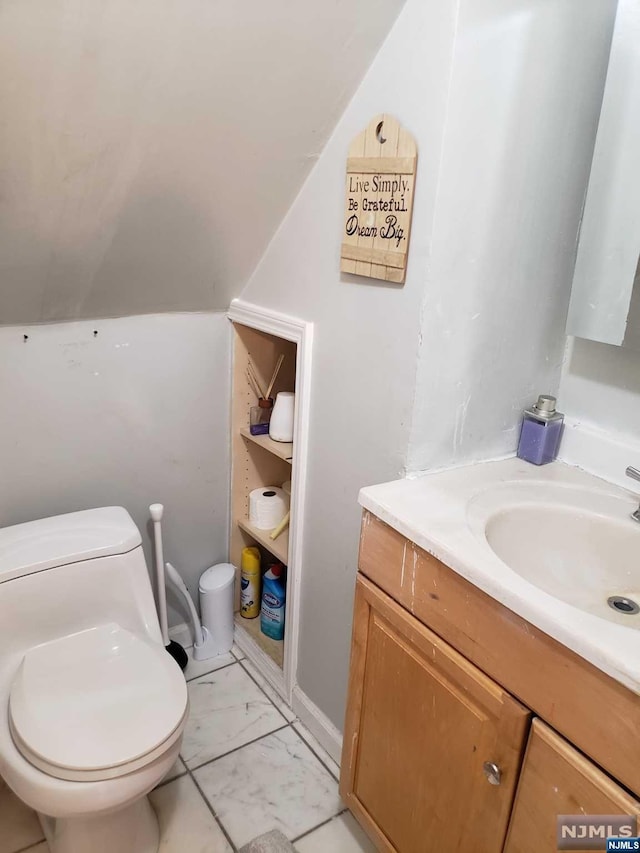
pixel 150 148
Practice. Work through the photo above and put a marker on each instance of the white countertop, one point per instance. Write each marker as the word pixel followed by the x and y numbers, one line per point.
pixel 433 511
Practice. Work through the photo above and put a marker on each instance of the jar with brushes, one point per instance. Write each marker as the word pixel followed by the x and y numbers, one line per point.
pixel 260 416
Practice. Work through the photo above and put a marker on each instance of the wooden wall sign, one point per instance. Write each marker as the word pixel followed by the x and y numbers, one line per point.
pixel 381 170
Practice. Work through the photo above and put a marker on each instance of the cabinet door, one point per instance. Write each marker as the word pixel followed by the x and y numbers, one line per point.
pixel 421 723
pixel 557 779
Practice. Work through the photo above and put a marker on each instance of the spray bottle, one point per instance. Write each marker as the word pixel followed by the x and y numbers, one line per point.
pixel 250 583
pixel 273 603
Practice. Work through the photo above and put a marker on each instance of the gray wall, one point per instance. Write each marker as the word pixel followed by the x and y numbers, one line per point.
pixel 365 336
pixel 393 366
pixel 524 103
pixel 137 414
pixel 122 195
pixel 150 149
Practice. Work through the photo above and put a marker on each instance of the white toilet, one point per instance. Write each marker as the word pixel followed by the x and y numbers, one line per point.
pixel 92 707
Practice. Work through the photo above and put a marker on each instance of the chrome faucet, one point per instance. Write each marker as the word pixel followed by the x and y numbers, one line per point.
pixel 635 475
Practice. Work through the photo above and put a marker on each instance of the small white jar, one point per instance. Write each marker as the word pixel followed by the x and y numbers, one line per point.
pixel 281 423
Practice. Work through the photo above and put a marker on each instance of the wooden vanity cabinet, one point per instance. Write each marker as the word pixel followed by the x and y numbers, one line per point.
pixel 422 723
pixel 557 779
pixel 445 682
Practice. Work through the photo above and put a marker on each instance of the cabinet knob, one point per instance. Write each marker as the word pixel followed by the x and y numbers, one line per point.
pixel 492 772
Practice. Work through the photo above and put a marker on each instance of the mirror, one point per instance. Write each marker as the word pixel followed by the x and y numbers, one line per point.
pixel 605 304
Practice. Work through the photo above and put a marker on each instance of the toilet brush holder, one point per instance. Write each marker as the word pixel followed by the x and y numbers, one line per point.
pixel 206 648
pixel 216 606
pixel 204 643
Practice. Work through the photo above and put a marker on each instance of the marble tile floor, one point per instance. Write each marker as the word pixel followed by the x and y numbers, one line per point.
pixel 247 765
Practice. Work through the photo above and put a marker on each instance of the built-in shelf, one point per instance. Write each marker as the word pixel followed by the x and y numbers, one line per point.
pixel 273 648
pixel 281 449
pixel 278 547
pixel 260 339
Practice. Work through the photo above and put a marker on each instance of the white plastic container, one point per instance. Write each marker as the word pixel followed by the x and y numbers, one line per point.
pixel 281 423
pixel 216 605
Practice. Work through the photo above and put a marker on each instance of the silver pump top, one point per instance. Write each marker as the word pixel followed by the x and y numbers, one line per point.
pixel 544 409
pixel 546 403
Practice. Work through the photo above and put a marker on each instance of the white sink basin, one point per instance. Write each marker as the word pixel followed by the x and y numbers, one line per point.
pixel 579 546
pixel 552 544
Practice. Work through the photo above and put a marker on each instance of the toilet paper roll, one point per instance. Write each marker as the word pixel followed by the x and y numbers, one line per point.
pixel 267 507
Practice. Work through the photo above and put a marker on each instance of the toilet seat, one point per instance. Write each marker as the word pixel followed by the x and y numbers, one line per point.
pixel 97 704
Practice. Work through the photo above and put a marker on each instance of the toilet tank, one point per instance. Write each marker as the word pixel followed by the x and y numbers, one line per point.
pixel 70 572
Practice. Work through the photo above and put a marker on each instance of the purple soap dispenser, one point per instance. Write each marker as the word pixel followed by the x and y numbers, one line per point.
pixel 540 433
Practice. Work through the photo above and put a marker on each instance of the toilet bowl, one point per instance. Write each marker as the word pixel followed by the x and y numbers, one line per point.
pixel 92 708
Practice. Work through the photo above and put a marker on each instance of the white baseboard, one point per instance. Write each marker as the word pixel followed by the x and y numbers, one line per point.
pixel 318 724
pixel 261 660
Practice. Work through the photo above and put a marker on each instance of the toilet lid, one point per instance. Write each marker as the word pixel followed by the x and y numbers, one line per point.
pixel 93 704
